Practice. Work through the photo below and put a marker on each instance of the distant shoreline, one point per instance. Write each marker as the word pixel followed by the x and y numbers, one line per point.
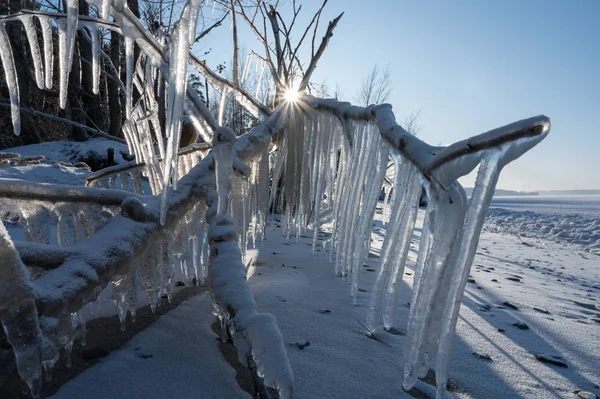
pixel 512 193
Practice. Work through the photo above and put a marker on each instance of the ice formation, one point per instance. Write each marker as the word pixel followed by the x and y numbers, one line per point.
pixel 256 335
pixel 331 159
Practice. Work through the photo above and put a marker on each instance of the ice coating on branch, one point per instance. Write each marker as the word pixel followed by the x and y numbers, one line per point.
pixel 223 155
pixel 18 315
pixel 10 73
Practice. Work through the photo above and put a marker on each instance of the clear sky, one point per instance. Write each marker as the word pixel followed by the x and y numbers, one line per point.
pixel 471 66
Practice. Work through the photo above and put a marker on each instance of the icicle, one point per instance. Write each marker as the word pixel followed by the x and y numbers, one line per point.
pixel 194 11
pixel 263 191
pixel 386 205
pixel 11 80
pixel 223 101
pixel 35 224
pixel 203 252
pixel 400 252
pixel 36 55
pixel 375 166
pixel 262 72
pixel 66 34
pixel 129 44
pixel 105 10
pixel 246 68
pixel 168 271
pixel 65 227
pixel 68 353
pixel 149 276
pixel 123 180
pixel 124 293
pixel 48 50
pixel 444 218
pixel 178 61
pixel 136 179
pixel 94 33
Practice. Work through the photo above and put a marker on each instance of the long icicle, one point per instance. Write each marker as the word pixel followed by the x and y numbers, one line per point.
pixel 11 80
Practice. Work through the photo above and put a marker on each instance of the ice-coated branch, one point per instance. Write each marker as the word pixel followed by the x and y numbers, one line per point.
pixel 42 255
pixel 428 159
pixel 12 189
pixel 257 335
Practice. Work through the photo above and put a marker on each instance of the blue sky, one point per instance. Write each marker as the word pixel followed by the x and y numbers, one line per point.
pixel 471 66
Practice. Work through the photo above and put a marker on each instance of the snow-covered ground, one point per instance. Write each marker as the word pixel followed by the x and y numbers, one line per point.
pixel 534 266
pixel 552 289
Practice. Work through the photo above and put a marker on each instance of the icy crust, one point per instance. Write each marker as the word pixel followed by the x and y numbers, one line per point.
pixel 580 230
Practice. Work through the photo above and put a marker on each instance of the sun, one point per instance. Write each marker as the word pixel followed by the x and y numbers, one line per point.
pixel 291 95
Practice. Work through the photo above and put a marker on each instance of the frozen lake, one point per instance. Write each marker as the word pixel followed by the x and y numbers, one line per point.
pixel 583 205
pixel 560 218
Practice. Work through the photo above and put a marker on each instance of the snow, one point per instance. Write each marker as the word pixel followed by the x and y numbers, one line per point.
pixel 312 305
pixel 155 365
pixel 73 151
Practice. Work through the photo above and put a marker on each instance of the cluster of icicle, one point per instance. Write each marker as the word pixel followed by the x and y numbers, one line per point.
pixel 43 61
pixel 151 273
pixel 448 242
pixel 250 203
pixel 360 180
pixel 338 168
pixel 72 222
pixel 305 168
pixel 255 335
pixel 142 119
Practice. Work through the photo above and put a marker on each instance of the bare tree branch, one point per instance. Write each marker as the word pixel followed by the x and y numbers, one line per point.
pixel 317 56
pixel 207 30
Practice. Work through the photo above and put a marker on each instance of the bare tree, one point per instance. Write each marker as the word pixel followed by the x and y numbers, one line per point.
pixel 375 87
pixel 411 123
